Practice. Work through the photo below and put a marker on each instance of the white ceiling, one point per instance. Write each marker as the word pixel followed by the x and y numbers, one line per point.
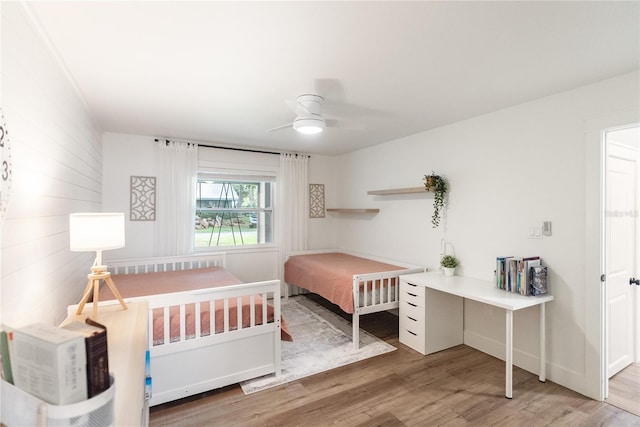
pixel 220 72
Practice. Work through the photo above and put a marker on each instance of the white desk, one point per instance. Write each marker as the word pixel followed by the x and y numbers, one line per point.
pixel 486 292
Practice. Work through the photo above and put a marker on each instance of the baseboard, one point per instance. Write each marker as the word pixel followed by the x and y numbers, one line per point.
pixel 568 378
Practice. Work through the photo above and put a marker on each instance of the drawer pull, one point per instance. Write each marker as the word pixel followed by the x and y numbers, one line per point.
pixel 411 304
pixel 411 284
pixel 413 295
pixel 412 333
pixel 411 318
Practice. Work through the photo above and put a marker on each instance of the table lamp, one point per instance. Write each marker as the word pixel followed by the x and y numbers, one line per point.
pixel 96 232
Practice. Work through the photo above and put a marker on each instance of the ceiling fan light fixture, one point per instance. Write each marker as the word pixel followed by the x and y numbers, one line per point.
pixel 309 125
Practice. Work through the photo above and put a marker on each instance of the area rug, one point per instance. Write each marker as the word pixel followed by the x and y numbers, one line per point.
pixel 321 341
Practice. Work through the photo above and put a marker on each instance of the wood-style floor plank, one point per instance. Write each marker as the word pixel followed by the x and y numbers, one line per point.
pixel 624 389
pixel 456 387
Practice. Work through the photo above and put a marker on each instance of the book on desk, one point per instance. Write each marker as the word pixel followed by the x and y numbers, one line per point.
pixel 97 355
pixel 49 363
pixel 518 275
pixel 62 365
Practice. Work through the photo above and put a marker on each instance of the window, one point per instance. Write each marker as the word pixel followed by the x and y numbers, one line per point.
pixel 233 211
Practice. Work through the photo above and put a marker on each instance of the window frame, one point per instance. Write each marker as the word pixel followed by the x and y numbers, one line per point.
pixel 265 206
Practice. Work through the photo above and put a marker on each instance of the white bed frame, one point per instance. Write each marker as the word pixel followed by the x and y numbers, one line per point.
pixel 189 366
pixel 366 303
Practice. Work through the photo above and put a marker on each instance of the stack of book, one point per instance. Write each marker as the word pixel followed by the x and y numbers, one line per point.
pixel 514 274
pixel 62 365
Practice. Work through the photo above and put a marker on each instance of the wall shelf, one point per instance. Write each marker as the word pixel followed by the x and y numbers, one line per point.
pixel 397 191
pixel 343 210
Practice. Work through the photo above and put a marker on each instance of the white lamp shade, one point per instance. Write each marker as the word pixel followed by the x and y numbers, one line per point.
pixel 96 231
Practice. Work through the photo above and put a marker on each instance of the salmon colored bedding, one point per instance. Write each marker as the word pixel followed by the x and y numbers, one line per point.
pixel 330 275
pixel 143 284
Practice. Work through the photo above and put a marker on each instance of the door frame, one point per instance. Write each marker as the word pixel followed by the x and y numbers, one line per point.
pixel 604 150
pixel 594 320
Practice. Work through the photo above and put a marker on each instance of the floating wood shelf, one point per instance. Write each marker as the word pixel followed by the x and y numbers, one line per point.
pixel 342 210
pixel 397 191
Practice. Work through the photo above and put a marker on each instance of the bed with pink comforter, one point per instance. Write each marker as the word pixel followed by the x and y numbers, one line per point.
pixel 358 285
pixel 206 328
pixel 330 275
pixel 157 283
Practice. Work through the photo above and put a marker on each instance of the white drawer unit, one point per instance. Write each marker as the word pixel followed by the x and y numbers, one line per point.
pixel 430 321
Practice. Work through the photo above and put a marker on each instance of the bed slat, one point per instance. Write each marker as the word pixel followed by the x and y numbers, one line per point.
pixel 167 331
pixel 183 320
pixel 252 310
pixel 198 325
pixel 212 318
pixel 264 312
pixel 156 265
pixel 226 315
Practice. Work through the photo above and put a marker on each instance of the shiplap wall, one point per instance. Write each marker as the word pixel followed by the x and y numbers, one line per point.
pixel 57 169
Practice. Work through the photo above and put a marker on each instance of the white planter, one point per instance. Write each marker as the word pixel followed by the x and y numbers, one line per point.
pixel 449 271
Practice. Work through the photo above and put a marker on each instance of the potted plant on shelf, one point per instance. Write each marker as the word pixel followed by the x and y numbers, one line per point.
pixel 438 185
pixel 449 264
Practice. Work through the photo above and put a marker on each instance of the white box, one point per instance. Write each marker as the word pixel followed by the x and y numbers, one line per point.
pixel 19 408
pixel 50 363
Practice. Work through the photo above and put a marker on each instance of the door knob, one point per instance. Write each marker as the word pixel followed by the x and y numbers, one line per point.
pixel 633 280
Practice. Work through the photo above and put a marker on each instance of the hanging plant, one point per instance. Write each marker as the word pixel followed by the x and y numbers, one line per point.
pixel 438 185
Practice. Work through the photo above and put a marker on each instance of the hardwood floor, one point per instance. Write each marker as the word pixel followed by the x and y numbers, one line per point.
pixel 624 389
pixel 456 387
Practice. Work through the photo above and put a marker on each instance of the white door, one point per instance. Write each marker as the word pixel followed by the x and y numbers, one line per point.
pixel 621 222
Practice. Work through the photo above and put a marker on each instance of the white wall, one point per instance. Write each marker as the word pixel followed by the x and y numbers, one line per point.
pixel 130 155
pixel 57 169
pixel 507 171
pixel 125 156
pixel 322 231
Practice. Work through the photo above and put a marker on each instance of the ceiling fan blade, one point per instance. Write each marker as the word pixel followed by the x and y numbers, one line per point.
pixel 280 127
pixel 333 108
pixel 293 105
pixel 344 124
pixel 330 88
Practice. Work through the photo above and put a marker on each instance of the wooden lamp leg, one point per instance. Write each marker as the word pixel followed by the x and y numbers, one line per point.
pixel 113 288
pixel 96 296
pixel 85 296
pixel 94 284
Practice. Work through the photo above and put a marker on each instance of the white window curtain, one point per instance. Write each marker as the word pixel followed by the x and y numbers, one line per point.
pixel 175 192
pixel 293 205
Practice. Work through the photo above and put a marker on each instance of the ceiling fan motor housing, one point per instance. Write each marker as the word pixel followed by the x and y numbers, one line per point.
pixel 309 104
pixel 308 118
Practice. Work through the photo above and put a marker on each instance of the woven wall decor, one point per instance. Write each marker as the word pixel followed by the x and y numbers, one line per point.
pixel 316 200
pixel 143 198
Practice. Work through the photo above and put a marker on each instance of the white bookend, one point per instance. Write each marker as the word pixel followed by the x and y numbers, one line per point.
pixel 50 363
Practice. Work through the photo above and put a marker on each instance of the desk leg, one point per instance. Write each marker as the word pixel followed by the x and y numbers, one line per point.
pixel 509 356
pixel 543 341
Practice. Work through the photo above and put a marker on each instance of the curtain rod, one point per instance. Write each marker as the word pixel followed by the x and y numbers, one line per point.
pixel 249 150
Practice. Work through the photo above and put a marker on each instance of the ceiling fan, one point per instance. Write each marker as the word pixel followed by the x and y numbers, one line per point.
pixel 308 119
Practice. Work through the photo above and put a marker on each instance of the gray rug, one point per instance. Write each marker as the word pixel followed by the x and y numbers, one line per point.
pixel 321 341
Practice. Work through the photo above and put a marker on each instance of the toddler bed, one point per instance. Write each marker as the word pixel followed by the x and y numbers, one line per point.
pixel 194 348
pixel 357 284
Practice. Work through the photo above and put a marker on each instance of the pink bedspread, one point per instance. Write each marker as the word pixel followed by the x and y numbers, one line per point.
pixel 135 285
pixel 331 275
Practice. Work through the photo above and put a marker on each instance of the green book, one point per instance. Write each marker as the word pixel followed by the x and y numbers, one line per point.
pixel 5 358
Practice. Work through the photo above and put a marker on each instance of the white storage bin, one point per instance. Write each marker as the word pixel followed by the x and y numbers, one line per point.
pixel 20 408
